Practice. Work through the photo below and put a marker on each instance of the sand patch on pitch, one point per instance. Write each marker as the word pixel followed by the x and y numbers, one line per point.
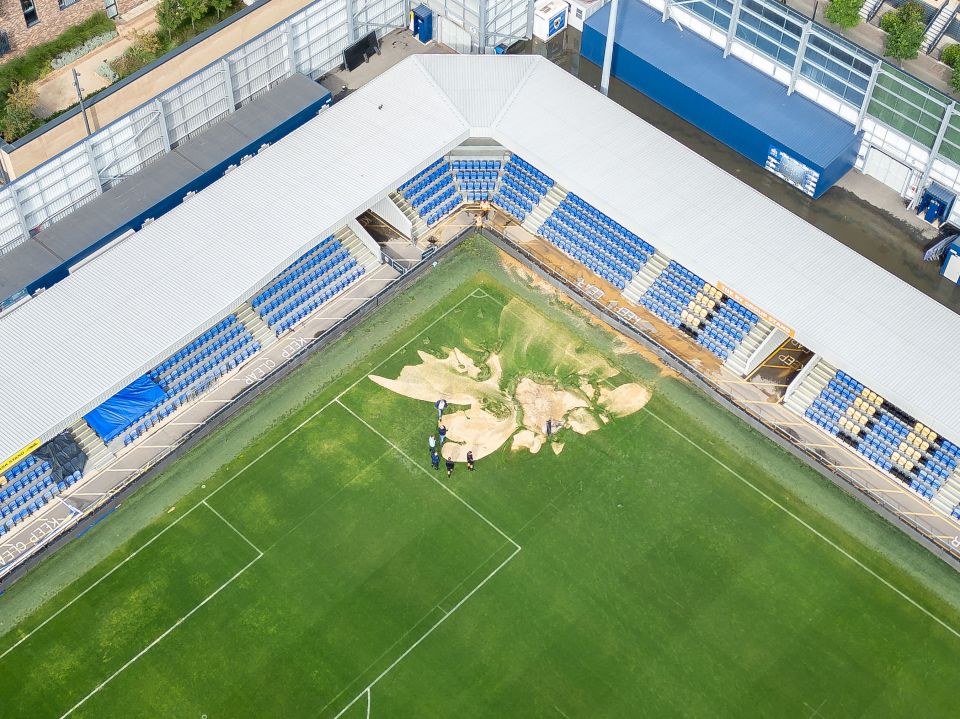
pixel 453 377
pixel 475 430
pixel 527 439
pixel 541 402
pixel 625 399
pixel 557 447
pixel 582 421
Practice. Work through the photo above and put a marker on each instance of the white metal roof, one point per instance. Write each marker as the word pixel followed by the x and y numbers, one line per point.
pixel 66 350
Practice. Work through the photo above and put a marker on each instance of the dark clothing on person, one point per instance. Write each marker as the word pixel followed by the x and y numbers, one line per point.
pixel 470 461
pixel 450 466
pixel 435 460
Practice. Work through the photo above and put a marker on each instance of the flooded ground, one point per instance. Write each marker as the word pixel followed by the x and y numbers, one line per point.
pixel 871 231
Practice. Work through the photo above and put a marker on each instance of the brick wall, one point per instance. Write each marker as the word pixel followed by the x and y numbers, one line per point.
pixel 51 20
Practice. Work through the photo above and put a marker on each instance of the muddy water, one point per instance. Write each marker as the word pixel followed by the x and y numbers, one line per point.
pixel 877 235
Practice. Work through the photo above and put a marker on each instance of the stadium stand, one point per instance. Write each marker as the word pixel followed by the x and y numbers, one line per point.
pixel 881 433
pixel 432 193
pixel 522 187
pixel 476 179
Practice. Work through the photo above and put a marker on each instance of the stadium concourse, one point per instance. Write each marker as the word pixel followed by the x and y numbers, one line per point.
pixel 136 347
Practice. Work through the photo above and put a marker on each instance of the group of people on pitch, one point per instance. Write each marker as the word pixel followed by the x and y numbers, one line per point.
pixel 441 404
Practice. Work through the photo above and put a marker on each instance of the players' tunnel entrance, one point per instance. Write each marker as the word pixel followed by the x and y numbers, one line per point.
pixel 777 371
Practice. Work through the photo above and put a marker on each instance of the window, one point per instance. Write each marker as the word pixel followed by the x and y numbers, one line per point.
pixel 29 12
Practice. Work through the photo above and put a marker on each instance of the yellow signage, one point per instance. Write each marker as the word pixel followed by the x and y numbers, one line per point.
pixel 19 455
pixel 734 295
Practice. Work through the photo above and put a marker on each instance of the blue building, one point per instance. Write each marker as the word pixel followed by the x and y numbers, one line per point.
pixel 791 136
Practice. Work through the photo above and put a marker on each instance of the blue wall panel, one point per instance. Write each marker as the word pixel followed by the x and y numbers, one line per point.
pixel 733 102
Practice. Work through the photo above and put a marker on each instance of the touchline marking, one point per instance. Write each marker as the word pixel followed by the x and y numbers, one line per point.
pixel 239 533
pixel 156 641
pixel 229 480
pixel 66 606
pixel 817 532
pixel 423 469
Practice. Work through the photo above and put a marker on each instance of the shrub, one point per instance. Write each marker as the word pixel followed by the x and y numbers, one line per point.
pixel 144 49
pixel 905 29
pixel 65 58
pixel 845 13
pixel 949 55
pixel 221 6
pixel 171 14
pixel 18 117
pixel 35 63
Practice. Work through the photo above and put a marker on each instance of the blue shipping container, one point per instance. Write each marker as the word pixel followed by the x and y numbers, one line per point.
pixel 793 137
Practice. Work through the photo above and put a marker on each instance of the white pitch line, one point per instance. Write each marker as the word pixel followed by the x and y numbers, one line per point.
pixel 231 479
pixel 431 630
pixel 815 531
pixel 156 641
pixel 239 533
pixel 66 606
pixel 447 489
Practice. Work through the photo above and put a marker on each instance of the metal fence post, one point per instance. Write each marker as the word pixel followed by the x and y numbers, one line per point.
pixel 732 28
pixel 608 48
pixel 291 48
pixel 868 95
pixel 351 21
pixel 88 148
pixel 798 62
pixel 934 152
pixel 228 84
pixel 162 122
pixel 482 29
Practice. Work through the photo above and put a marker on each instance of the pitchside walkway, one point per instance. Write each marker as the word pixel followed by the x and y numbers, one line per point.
pixel 130 462
pixel 752 396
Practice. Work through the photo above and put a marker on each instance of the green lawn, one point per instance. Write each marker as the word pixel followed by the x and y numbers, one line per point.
pixel 671 563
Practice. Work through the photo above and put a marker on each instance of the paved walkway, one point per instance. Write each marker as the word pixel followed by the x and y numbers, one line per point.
pixel 56 91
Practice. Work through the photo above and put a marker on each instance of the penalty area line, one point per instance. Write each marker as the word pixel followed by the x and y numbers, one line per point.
pixel 808 526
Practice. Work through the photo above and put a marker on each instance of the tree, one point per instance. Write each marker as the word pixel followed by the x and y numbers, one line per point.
pixel 171 14
pixel 955 79
pixel 905 29
pixel 221 6
pixel 195 10
pixel 18 117
pixel 950 55
pixel 845 13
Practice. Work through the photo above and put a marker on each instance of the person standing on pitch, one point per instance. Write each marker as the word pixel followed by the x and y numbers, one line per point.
pixel 441 405
pixel 431 443
pixel 435 459
pixel 470 460
pixel 442 431
pixel 450 467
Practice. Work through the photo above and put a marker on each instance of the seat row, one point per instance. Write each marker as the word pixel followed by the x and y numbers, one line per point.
pixel 316 274
pixel 565 239
pixel 566 216
pixel 19 468
pixel 305 266
pixel 296 299
pixel 214 347
pixel 317 299
pixel 216 359
pixel 522 172
pixel 422 178
pixel 580 209
pixel 593 261
pixel 443 207
pixel 512 202
pixel 11 489
pixel 25 506
pixel 186 352
pixel 465 165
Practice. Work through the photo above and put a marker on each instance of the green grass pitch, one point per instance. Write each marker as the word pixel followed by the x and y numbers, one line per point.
pixel 659 566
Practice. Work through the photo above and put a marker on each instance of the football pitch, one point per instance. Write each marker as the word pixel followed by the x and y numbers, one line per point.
pixel 662 561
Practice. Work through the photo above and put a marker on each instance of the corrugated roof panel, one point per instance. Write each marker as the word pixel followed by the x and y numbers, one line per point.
pixel 890 336
pixel 121 313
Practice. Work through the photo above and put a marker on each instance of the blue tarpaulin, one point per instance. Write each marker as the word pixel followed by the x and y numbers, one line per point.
pixel 125 407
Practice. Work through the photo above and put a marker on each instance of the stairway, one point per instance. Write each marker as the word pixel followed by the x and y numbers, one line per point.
pixel 949 495
pixel 539 214
pixel 255 325
pixel 741 356
pixel 645 277
pixel 938 26
pixel 808 390
pixel 89 441
pixel 418 228
pixel 869 9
